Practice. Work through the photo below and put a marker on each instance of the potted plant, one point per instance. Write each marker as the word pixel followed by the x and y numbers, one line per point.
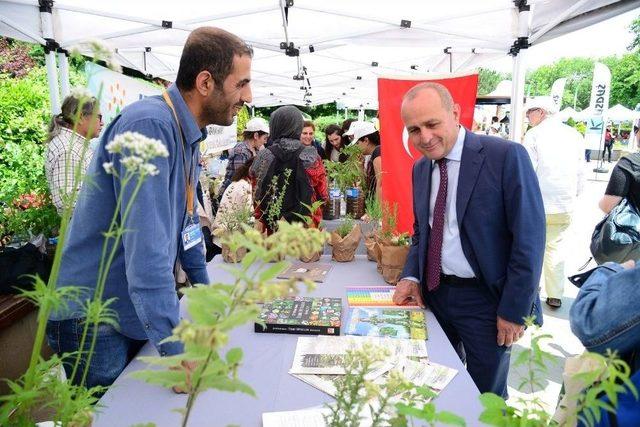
pixel 331 209
pixel 353 176
pixel 231 221
pixel 345 240
pixel 308 221
pixel 392 248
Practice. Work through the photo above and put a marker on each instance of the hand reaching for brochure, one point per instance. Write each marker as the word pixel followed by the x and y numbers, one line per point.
pixel 406 292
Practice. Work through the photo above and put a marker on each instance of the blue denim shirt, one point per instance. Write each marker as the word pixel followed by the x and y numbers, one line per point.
pixel 606 313
pixel 142 273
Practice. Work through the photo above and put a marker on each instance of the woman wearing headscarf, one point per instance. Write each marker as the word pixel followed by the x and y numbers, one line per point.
pixel 286 125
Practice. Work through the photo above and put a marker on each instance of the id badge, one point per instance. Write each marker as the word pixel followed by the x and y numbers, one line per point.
pixel 191 236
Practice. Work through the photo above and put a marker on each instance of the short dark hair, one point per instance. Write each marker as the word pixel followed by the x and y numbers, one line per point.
pixel 309 124
pixel 373 138
pixel 243 171
pixel 209 49
pixel 248 134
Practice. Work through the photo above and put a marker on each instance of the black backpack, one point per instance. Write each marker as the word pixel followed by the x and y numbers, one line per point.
pixel 297 188
pixel 16 266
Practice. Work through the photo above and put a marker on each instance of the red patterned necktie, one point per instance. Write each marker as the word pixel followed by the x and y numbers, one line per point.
pixel 434 253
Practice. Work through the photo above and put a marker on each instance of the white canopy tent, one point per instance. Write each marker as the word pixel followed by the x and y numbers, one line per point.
pixel 620 113
pixel 310 52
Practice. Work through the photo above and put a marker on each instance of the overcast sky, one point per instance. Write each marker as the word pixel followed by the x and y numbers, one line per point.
pixel 606 38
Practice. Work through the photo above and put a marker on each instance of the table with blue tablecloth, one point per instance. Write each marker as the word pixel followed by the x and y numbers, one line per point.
pixel 267 360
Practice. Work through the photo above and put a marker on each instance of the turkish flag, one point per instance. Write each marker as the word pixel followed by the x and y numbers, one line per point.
pixel 397 154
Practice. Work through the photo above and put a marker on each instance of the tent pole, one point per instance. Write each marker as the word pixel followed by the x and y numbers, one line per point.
pixel 517 96
pixel 518 50
pixel 52 77
pixel 46 24
pixel 63 62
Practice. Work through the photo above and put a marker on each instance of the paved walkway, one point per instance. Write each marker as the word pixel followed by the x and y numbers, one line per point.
pixel 556 321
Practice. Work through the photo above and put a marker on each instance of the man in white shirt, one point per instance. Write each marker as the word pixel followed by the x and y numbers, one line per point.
pixel 557 155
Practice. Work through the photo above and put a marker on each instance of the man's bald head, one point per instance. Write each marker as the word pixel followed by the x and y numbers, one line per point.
pixel 443 94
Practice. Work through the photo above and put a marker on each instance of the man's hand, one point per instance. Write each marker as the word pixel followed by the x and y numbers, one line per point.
pixel 407 291
pixel 188 367
pixel 508 333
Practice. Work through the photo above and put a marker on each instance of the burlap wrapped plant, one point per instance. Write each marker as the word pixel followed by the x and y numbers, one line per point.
pixel 233 257
pixel 393 256
pixel 345 240
pixel 370 244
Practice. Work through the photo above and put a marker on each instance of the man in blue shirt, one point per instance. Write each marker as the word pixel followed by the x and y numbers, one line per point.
pixel 212 85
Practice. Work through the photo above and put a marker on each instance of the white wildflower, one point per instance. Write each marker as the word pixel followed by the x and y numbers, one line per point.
pixel 108 167
pixel 137 151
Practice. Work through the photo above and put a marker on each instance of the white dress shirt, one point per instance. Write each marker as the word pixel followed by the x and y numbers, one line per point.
pixel 453 260
pixel 557 154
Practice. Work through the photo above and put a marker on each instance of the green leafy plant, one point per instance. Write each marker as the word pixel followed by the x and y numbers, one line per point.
pixel 610 378
pixel 275 193
pixel 345 226
pixel 348 174
pixel 383 402
pixel 311 209
pixel 233 219
pixel 217 309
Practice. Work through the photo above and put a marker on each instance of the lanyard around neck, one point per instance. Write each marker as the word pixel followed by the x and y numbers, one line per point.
pixel 187 178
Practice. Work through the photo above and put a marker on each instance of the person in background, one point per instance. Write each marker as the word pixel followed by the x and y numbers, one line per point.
pixel 67 145
pixel 334 144
pixel 238 196
pixel 608 144
pixel 254 137
pixel 286 124
pixel 624 182
pixel 307 137
pixel 604 317
pixel 346 125
pixel 555 150
pixel 368 140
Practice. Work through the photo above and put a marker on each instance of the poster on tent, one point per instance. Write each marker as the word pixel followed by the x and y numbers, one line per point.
pixel 220 138
pixel 118 90
pixel 600 89
pixel 398 154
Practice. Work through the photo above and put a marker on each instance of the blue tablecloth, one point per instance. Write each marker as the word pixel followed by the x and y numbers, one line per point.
pixel 267 359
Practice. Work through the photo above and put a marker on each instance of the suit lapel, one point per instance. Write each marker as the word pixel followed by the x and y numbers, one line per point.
pixel 470 165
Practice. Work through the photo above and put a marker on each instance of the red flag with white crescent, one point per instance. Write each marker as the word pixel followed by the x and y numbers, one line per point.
pixel 398 155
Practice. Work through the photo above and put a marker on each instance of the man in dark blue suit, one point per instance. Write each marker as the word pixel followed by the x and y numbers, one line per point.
pixel 479 234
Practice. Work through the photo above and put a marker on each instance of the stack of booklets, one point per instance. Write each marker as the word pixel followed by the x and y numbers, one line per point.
pixel 301 315
pixel 319 362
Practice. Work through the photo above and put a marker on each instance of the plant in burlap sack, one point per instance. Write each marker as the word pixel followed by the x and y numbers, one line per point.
pixel 217 309
pixel 232 221
pixel 391 247
pixel 373 213
pixel 345 239
pixel 309 223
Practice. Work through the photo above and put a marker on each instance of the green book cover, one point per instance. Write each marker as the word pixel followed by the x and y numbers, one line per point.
pixel 301 315
pixel 387 322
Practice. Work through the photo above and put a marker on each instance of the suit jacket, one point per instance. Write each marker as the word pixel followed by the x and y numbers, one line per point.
pixel 501 220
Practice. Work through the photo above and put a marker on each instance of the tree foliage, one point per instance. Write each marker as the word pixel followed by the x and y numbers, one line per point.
pixel 488 80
